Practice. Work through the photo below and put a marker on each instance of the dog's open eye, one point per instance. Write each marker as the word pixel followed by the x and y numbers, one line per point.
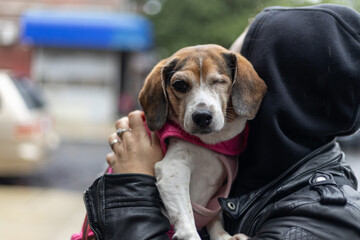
pixel 180 86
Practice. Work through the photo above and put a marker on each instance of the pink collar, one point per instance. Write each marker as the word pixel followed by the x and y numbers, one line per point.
pixel 232 147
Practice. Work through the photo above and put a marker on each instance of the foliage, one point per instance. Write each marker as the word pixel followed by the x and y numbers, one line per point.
pixel 190 22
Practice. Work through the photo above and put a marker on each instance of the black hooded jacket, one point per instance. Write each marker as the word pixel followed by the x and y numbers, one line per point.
pixel 310 60
pixel 293 181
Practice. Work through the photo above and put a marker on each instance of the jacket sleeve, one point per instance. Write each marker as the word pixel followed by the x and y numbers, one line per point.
pixel 125 206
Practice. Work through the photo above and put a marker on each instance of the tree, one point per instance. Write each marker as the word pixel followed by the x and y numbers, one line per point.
pixel 183 23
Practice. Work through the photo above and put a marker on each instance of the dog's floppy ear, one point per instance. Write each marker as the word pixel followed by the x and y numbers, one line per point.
pixel 248 88
pixel 153 96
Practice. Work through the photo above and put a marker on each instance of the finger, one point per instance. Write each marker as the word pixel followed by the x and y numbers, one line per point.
pixel 122 123
pixel 110 159
pixel 112 137
pixel 113 141
pixel 136 122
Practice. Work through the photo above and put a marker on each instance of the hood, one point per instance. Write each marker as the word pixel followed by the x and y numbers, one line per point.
pixel 310 60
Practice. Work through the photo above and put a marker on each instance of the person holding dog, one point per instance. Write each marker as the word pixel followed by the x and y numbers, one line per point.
pixel 293 181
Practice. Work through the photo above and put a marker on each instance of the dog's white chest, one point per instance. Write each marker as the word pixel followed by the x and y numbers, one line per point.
pixel 188 175
pixel 207 177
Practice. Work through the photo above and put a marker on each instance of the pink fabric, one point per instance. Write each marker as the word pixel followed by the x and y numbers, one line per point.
pixel 85 230
pixel 232 147
pixel 203 215
pixel 76 236
pixel 79 236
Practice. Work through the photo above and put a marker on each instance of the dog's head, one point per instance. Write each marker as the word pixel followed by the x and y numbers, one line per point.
pixel 201 88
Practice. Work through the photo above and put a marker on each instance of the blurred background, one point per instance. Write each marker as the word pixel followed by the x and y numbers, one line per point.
pixel 68 70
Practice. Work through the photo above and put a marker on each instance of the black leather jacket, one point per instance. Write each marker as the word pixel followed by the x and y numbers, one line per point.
pixel 314 199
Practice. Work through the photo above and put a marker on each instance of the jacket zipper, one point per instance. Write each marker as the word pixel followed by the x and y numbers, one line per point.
pixel 97 234
pixel 98 207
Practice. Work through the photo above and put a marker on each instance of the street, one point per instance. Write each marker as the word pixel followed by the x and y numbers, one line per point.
pixel 73 166
pixel 48 205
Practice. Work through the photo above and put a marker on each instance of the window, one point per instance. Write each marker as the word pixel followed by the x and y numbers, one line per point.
pixel 30 92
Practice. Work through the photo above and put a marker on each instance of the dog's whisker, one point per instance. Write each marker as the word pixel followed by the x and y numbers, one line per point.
pixel 229 117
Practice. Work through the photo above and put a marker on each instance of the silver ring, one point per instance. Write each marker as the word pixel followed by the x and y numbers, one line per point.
pixel 113 142
pixel 120 131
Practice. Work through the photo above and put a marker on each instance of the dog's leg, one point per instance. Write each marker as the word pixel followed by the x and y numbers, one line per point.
pixel 173 175
pixel 216 231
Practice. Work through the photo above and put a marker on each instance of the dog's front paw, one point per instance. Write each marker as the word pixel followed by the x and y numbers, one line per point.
pixel 239 236
pixel 186 236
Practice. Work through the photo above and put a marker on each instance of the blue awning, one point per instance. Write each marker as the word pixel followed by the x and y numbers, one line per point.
pixel 94 30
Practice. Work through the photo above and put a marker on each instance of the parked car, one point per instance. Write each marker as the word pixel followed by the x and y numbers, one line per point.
pixel 26 129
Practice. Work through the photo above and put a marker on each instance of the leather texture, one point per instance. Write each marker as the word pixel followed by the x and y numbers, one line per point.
pixel 326 209
pixel 125 206
pixel 290 208
pixel 295 233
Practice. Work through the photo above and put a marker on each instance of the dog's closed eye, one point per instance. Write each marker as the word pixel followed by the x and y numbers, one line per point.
pixel 217 81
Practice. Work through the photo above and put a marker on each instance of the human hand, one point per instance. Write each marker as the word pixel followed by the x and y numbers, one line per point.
pixel 135 151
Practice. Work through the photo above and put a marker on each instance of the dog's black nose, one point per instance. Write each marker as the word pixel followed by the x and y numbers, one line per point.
pixel 202 118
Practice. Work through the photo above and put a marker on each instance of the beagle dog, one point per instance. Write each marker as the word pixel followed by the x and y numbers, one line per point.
pixel 207 93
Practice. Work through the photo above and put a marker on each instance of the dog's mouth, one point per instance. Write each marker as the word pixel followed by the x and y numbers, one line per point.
pixel 202 131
